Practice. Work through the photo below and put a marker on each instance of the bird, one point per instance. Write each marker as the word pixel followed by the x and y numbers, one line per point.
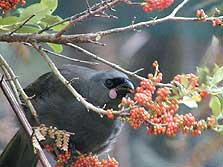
pixel 57 107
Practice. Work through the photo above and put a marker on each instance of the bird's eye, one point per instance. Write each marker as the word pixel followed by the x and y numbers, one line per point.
pixel 109 83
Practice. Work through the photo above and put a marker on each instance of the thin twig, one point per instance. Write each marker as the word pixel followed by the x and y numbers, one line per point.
pixel 113 65
pixel 22 118
pixel 69 18
pixel 176 10
pixel 63 56
pixel 21 25
pixel 104 7
pixel 12 84
pixel 69 58
pixel 19 87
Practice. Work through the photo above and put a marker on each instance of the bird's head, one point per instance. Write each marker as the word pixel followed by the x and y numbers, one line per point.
pixel 111 86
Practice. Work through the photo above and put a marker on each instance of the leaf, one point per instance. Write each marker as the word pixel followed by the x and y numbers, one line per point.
pixel 56 47
pixel 189 102
pixel 28 29
pixel 52 4
pixel 202 73
pixel 59 26
pixel 49 19
pixel 9 20
pixel 215 105
pixel 218 76
pixel 38 9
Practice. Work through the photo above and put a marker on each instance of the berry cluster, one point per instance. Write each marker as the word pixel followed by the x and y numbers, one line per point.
pixel 155 105
pixel 69 158
pixel 10 4
pixel 203 17
pixel 189 81
pixel 201 14
pixel 110 162
pixel 93 161
pixel 138 116
pixel 63 158
pixel 87 161
pixel 150 5
pixel 217 22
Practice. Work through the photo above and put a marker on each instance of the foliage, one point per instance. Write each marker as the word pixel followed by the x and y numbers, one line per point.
pixel 41 15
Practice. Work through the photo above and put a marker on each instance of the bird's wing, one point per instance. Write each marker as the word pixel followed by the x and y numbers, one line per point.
pixel 19 152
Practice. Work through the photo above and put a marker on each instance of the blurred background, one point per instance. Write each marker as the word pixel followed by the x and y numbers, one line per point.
pixel 179 48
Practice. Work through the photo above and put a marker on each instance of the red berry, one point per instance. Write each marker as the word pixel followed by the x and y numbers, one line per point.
pixel 204 94
pixel 156 5
pixel 110 115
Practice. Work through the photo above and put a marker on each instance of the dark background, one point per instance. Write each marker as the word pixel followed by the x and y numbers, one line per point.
pixel 179 48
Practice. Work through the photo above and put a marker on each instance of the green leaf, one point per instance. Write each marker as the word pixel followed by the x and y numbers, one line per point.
pixel 38 9
pixel 9 20
pixel 23 29
pixel 49 19
pixel 189 102
pixel 202 73
pixel 56 47
pixel 218 76
pixel 215 105
pixel 52 4
pixel 59 27
pixel 28 29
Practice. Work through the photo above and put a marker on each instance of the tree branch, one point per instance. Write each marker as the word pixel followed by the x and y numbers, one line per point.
pixel 22 118
pixel 18 86
pixel 89 37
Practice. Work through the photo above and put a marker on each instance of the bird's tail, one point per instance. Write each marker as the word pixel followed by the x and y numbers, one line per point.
pixel 19 152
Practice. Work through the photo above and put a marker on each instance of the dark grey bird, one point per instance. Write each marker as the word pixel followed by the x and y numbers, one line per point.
pixel 57 107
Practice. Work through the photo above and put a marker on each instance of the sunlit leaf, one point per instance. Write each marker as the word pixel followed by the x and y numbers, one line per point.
pixel 218 76
pixel 38 9
pixel 9 20
pixel 189 102
pixel 56 47
pixel 215 105
pixel 49 19
pixel 202 73
pixel 59 26
pixel 52 4
pixel 28 29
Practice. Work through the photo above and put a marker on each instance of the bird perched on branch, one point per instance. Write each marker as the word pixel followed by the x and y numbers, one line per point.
pixel 57 107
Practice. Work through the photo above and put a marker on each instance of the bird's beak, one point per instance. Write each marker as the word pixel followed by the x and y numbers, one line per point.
pixel 125 88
